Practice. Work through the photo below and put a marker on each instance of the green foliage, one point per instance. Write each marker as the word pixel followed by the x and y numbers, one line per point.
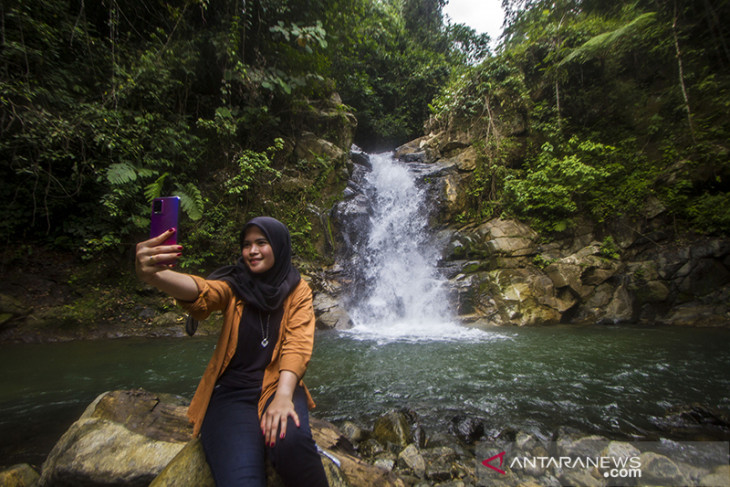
pixel 596 110
pixel 582 112
pixel 252 166
pixel 711 212
pixel 556 186
pixel 609 249
pixel 602 44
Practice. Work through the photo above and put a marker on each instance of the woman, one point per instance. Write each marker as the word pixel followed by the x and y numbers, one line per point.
pixel 250 402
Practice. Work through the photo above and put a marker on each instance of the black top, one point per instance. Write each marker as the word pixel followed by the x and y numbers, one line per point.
pixel 247 366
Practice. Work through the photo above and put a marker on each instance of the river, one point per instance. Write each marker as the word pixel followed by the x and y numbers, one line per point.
pixel 612 380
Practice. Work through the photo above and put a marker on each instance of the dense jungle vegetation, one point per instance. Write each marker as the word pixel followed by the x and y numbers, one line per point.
pixel 586 109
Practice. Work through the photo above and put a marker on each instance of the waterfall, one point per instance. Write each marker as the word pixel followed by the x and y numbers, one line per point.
pixel 397 292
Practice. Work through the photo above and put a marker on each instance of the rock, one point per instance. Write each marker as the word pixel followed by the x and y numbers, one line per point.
pixel 327 117
pixel 171 318
pixel 719 477
pixel 412 459
pixel 467 429
pixel 580 477
pixel 11 310
pixel 410 147
pixel 385 463
pixel 523 296
pixel 393 427
pixel 696 422
pixel 705 276
pixel 620 309
pixel 159 416
pixel 329 314
pixel 101 452
pixel 334 319
pixel 653 292
pixel 360 157
pixel 466 160
pixel 131 438
pixel 453 198
pixel 310 147
pixel 21 475
pixel 657 469
pixel 188 468
pixel 370 448
pixel 146 314
pixel 123 437
pixel 583 446
pixel 508 237
pixel 697 314
pixel 352 432
pixel 568 275
pixel 439 462
pixel 419 150
pixel 356 472
pixel 335 476
pixel 620 449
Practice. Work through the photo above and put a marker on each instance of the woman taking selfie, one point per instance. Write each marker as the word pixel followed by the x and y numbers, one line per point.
pixel 251 402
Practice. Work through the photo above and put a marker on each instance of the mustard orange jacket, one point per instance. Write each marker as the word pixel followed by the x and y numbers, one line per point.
pixel 292 350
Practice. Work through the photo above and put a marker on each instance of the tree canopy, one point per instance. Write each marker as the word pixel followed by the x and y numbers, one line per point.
pixel 592 109
pixel 587 108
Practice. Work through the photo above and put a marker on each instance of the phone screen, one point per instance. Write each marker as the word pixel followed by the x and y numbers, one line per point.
pixel 165 215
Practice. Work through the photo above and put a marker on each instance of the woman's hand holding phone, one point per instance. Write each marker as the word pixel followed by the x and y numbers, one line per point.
pixel 152 256
pixel 153 263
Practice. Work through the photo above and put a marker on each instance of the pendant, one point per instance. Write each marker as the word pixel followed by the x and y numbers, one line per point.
pixel 264 342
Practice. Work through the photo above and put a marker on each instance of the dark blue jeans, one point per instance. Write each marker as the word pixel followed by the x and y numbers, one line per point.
pixel 234 445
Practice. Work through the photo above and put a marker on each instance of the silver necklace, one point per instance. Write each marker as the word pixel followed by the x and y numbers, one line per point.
pixel 264 337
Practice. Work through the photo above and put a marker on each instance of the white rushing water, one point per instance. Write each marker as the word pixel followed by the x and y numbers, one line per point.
pixel 406 297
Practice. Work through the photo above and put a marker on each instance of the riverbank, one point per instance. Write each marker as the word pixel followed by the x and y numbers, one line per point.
pixel 49 296
pixel 135 437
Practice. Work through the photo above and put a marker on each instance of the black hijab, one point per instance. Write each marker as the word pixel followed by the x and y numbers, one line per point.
pixel 265 291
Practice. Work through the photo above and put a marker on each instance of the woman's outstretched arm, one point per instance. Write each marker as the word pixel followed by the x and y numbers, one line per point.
pixel 150 254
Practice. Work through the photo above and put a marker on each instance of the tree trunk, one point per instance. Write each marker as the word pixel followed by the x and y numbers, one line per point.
pixel 681 74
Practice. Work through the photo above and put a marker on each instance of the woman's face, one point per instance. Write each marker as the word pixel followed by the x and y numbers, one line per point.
pixel 257 252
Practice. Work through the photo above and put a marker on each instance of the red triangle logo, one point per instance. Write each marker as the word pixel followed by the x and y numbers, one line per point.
pixel 501 459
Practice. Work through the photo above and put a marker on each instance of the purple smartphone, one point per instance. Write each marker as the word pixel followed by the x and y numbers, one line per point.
pixel 165 214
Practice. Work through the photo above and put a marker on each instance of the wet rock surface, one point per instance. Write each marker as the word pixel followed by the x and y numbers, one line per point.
pixel 141 438
pixel 503 273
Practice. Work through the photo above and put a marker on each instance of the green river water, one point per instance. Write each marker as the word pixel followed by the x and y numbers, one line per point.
pixel 611 380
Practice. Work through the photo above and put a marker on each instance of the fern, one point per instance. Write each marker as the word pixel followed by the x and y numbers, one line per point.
pixel 601 43
pixel 154 190
pixel 191 200
pixel 121 173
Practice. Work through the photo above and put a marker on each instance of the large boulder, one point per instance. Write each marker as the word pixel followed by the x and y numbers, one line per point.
pixel 123 438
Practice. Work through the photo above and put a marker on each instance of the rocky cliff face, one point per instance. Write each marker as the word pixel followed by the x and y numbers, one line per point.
pixel 505 273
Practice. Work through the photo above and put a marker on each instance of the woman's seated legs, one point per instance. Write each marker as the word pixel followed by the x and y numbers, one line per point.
pixel 295 457
pixel 232 438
